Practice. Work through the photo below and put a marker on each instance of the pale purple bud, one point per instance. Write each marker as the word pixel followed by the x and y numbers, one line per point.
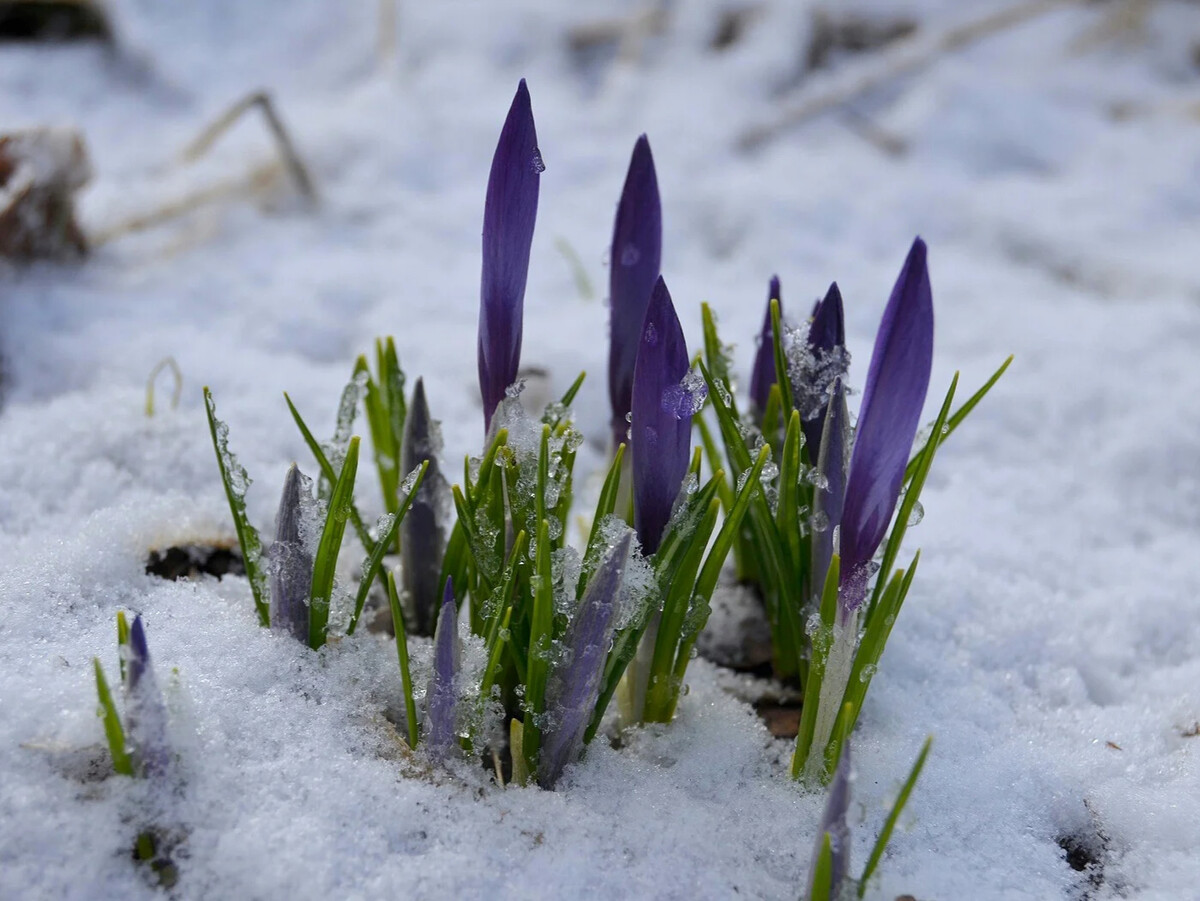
pixel 291 564
pixel 574 686
pixel 422 536
pixel 833 823
pixel 145 712
pixel 442 696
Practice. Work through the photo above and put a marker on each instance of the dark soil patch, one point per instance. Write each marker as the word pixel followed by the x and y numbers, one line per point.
pixel 190 561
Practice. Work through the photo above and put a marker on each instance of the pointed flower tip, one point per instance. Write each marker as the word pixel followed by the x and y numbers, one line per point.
pixel 509 214
pixel 893 398
pixel 138 650
pixel 635 265
pixel 762 375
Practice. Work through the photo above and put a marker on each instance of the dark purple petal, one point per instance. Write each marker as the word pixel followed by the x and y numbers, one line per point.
pixel 422 537
pixel 826 344
pixel 833 823
pixel 633 270
pixel 888 419
pixel 508 218
pixel 831 493
pixel 442 694
pixel 762 376
pixel 145 712
pixel 573 687
pixel 661 432
pixel 291 564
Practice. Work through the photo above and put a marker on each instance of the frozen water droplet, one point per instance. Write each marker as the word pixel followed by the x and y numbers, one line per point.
pixel 686 398
pixel 536 163
pixel 630 255
pixel 650 336
pixel 917 514
pixel 867 673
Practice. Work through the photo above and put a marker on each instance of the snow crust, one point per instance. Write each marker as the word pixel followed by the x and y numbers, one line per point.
pixel 1051 642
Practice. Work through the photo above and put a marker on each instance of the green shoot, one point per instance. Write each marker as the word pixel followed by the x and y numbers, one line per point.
pixel 410 707
pixel 236 481
pixel 113 731
pixel 325 560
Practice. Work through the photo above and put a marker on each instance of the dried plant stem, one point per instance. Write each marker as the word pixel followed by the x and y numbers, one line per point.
pixel 287 150
pixel 167 363
pixel 902 58
pixel 386 46
pixel 256 182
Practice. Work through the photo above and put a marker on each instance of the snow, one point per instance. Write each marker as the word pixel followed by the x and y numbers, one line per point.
pixel 1051 642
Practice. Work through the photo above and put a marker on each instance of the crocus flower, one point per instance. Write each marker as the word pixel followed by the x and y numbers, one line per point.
pixel 291 564
pixel 145 712
pixel 422 539
pixel 661 432
pixel 762 376
pixel 887 422
pixel 827 363
pixel 833 823
pixel 442 695
pixel 636 258
pixel 831 490
pixel 508 218
pixel 574 687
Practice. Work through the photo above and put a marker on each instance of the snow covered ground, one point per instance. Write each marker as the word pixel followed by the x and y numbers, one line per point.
pixel 1051 643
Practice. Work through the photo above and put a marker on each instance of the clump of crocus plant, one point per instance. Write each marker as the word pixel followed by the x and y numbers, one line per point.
pixel 278 583
pixel 829 874
pixel 810 546
pixel 141 746
pixel 807 504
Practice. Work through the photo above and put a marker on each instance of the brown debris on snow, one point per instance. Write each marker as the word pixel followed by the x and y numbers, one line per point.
pixel 40 171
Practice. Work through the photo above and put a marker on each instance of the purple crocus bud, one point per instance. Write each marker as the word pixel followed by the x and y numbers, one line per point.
pixel 145 712
pixel 291 564
pixel 833 823
pixel 442 694
pixel 762 376
pixel 574 685
pixel 887 422
pixel 508 217
pixel 422 537
pixel 636 258
pixel 831 490
pixel 828 361
pixel 661 433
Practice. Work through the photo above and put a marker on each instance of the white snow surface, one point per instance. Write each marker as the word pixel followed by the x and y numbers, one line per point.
pixel 1051 642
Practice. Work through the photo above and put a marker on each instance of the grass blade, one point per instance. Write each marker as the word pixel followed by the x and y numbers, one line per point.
pixel 122 763
pixel 330 474
pixel 959 415
pixel 410 706
pixel 325 560
pixel 236 481
pixel 385 543
pixel 889 825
